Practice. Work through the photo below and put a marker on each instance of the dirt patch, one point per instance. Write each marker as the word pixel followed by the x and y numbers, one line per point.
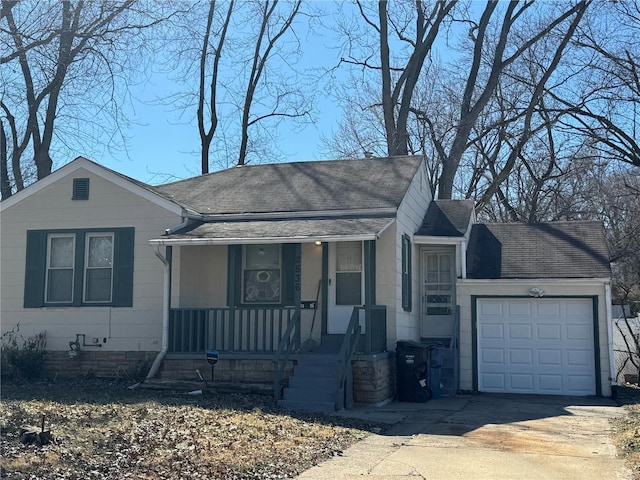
pixel 627 428
pixel 103 430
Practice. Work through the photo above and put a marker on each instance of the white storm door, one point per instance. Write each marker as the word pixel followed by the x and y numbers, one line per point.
pixel 438 292
pixel 346 284
pixel 539 346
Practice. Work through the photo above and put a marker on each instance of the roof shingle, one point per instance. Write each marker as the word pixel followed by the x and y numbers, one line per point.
pixel 370 183
pixel 447 218
pixel 540 250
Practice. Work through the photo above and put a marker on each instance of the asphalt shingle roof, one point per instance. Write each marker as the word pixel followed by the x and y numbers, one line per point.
pixel 369 183
pixel 314 228
pixel 539 250
pixel 447 218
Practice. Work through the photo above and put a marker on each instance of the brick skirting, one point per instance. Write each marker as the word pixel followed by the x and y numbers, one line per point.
pixel 237 370
pixel 374 378
pixel 99 363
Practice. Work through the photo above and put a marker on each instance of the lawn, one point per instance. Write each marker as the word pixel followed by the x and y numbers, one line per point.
pixel 627 428
pixel 103 430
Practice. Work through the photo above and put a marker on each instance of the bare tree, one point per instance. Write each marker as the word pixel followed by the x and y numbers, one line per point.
pixel 498 39
pixel 208 87
pixel 55 54
pixel 272 28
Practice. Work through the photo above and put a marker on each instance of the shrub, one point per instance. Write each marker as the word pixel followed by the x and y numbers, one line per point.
pixel 25 357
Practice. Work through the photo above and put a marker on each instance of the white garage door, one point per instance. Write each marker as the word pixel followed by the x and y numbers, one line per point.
pixel 542 345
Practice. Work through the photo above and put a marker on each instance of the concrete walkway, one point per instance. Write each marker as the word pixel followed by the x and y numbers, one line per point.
pixel 484 437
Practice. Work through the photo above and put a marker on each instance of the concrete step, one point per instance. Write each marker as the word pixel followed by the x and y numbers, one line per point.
pixel 316 371
pixel 311 394
pixel 318 360
pixel 320 407
pixel 301 381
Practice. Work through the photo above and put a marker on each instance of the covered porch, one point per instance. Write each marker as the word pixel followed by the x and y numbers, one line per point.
pixel 273 299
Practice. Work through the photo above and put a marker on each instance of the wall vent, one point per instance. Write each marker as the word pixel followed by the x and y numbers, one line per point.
pixel 80 189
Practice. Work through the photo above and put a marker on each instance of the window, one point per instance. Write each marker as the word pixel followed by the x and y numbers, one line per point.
pixel 60 258
pixel 98 272
pixel 349 273
pixel 439 283
pixel 261 274
pixel 406 273
pixel 79 267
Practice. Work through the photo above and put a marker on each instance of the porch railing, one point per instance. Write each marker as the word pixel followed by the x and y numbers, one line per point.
pixel 347 350
pixel 247 329
pixel 374 340
pixel 289 343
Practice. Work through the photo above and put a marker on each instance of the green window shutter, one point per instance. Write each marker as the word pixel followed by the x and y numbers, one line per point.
pixel 36 262
pixel 406 273
pixel 123 267
pixel 234 274
pixel 370 272
pixel 291 255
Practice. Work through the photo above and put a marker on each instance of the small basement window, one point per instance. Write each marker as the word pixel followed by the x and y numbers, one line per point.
pixel 80 189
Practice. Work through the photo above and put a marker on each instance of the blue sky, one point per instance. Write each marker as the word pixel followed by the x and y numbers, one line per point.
pixel 162 145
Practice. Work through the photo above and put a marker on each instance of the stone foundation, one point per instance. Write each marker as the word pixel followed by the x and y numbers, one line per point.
pixel 374 378
pixel 238 370
pixel 99 363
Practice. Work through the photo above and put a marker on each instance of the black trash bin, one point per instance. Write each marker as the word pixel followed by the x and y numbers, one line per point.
pixel 412 367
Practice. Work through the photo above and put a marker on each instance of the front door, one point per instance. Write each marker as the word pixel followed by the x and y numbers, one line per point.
pixel 438 291
pixel 346 284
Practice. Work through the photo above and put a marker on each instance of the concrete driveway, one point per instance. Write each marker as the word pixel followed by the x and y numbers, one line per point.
pixel 484 437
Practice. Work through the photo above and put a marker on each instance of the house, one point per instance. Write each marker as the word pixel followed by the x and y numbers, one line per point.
pixel 309 272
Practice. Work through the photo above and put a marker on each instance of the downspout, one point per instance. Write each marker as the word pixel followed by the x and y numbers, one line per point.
pixel 612 367
pixel 463 260
pixel 165 317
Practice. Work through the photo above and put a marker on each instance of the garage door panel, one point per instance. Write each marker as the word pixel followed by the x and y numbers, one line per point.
pixel 493 331
pixel 519 308
pixel 579 358
pixel 521 356
pixel 493 382
pixel 520 331
pixel 579 385
pixel 549 357
pixel 541 346
pixel 578 308
pixel 550 384
pixel 491 308
pixel 493 356
pixel 549 331
pixel 548 310
pixel 578 332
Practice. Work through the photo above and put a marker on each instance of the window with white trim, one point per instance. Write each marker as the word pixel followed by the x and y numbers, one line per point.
pixel 349 273
pixel 79 267
pixel 98 267
pixel 261 275
pixel 60 268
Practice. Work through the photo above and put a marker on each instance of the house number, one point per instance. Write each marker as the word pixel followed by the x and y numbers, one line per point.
pixel 297 273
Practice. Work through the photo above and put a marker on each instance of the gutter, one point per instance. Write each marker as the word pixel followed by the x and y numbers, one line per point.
pixel 612 367
pixel 165 317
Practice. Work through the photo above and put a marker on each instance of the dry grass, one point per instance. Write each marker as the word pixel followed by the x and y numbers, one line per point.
pixel 105 431
pixel 627 428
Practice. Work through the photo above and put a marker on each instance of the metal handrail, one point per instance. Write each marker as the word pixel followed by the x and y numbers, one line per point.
pixel 347 350
pixel 286 347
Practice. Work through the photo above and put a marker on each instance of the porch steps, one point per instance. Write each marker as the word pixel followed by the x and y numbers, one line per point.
pixel 313 387
pixel 447 373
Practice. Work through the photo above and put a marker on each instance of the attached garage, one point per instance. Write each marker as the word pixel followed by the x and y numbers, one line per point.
pixel 536 345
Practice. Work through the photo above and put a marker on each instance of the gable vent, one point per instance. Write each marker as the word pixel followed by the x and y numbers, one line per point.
pixel 80 189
